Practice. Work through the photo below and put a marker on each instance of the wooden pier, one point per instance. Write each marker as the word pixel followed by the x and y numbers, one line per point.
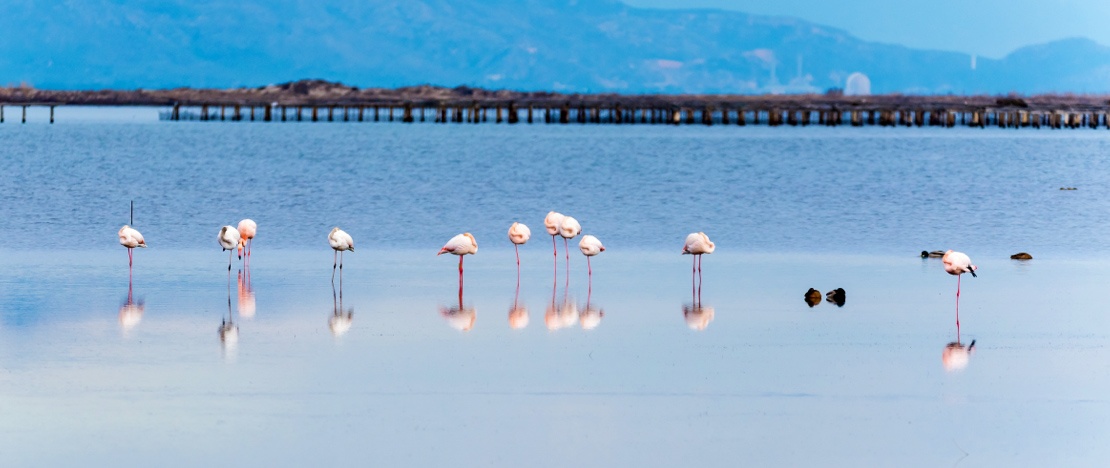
pixel 321 101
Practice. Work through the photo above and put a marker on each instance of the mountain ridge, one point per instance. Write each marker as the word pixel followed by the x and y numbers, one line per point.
pixel 558 45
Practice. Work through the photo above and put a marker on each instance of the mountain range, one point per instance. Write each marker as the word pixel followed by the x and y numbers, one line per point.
pixel 558 45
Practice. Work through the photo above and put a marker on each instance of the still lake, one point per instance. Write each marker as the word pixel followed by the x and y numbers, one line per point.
pixel 627 368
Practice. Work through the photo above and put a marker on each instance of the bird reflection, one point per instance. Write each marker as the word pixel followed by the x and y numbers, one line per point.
pixel 563 314
pixel 229 332
pixel 697 316
pixel 956 356
pixel 518 313
pixel 246 293
pixel 590 316
pixel 836 296
pixel 131 312
pixel 813 297
pixel 340 321
pixel 459 317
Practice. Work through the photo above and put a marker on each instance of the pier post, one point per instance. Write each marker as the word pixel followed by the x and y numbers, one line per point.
pixel 406 117
pixel 24 114
pixel 1 114
pixel 643 116
pixel 237 113
pixel 706 116
pixel 514 113
pixel 740 117
pixel 391 112
pixel 725 120
pixel 204 112
pixel 497 115
pixel 546 115
pixel 315 114
pixel 792 118
pixel 52 114
pixel 530 109
pixel 283 113
pixel 564 113
pixel 223 112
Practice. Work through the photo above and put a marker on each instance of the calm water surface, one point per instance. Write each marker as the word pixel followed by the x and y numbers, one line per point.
pixel 630 367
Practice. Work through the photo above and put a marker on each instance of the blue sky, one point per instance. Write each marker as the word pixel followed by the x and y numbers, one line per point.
pixel 990 28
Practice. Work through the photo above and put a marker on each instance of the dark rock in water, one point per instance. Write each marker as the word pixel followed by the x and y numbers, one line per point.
pixel 813 297
pixel 836 296
pixel 933 254
pixel 1021 256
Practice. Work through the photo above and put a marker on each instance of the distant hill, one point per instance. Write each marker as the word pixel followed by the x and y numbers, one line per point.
pixel 561 45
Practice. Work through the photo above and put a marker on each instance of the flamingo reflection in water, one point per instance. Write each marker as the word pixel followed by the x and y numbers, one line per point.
pixel 228 331
pixel 131 312
pixel 459 317
pixel 697 316
pixel 340 321
pixel 956 356
pixel 518 313
pixel 245 293
pixel 590 316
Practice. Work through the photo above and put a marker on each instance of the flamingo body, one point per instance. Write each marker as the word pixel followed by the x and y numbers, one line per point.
pixel 590 246
pixel 958 263
pixel 340 240
pixel 228 238
pixel 569 228
pixel 131 238
pixel 552 222
pixel 519 233
pixel 697 243
pixel 462 244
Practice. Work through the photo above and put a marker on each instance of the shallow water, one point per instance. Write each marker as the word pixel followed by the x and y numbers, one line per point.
pixel 93 376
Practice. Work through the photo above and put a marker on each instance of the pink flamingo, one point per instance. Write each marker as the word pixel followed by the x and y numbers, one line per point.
pixel 552 222
pixel 697 244
pixel 462 244
pixel 590 246
pixel 247 229
pixel 130 238
pixel 518 235
pixel 958 263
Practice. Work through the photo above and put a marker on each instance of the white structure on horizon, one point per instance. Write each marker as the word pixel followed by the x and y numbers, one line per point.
pixel 857 84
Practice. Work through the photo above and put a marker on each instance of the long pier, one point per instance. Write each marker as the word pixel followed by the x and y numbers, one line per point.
pixel 321 101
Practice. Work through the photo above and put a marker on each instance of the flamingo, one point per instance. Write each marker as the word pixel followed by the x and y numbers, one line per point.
pixel 130 238
pixel 340 241
pixel 958 263
pixel 569 229
pixel 698 244
pixel 552 223
pixel 247 229
pixel 462 244
pixel 229 240
pixel 518 235
pixel 590 246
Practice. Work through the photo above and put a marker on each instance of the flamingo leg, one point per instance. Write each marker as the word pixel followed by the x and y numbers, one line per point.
pixel 699 269
pixel 341 261
pixel 129 257
pixel 589 268
pixel 460 279
pixel 958 277
pixel 230 253
pixel 334 263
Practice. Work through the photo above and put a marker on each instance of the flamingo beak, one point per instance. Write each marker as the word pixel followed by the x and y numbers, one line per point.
pixel 973 275
pixel 603 248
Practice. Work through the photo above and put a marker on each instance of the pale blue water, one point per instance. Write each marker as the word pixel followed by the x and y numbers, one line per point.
pixel 89 378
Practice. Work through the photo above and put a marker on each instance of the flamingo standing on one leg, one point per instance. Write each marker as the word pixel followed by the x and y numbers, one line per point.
pixel 697 244
pixel 552 223
pixel 958 263
pixel 462 244
pixel 229 240
pixel 247 229
pixel 590 246
pixel 340 241
pixel 569 229
pixel 130 238
pixel 518 235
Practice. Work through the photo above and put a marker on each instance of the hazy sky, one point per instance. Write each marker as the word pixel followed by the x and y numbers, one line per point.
pixel 990 28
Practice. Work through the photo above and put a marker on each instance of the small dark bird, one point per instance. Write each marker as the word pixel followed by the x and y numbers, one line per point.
pixel 813 297
pixel 933 254
pixel 836 296
pixel 1021 256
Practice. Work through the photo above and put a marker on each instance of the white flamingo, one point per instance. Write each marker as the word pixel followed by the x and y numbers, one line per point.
pixel 339 241
pixel 229 240
pixel 698 244
pixel 569 229
pixel 958 263
pixel 130 237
